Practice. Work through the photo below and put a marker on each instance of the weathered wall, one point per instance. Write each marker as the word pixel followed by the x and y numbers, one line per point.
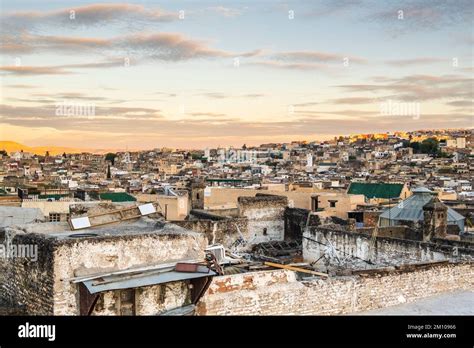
pixel 44 287
pixel 385 251
pixel 228 197
pixel 279 293
pixel 150 300
pixel 91 256
pixel 29 282
pixel 265 216
pixel 343 203
pixel 48 207
pixel 225 232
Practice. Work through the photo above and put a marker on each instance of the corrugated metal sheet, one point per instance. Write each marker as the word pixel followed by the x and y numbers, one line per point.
pixel 142 280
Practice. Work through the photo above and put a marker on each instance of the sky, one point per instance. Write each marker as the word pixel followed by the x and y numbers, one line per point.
pixel 197 74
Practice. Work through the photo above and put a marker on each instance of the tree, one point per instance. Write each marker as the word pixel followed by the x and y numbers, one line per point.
pixel 111 157
pixel 429 146
pixel 3 153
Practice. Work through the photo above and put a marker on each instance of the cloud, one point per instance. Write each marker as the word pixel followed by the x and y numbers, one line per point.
pixel 307 104
pixel 207 114
pixel 461 103
pixel 418 87
pixel 21 86
pixel 33 70
pixel 48 113
pixel 355 100
pixel 415 61
pixel 214 95
pixel 58 69
pixel 226 11
pixel 422 15
pixel 253 95
pixel 289 66
pixel 315 56
pixel 158 46
pixel 306 60
pixel 87 15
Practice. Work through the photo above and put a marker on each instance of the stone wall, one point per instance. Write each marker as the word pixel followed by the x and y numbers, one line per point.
pixel 44 287
pixel 383 250
pixel 224 231
pixel 27 282
pixel 266 217
pixel 94 256
pixel 279 293
pixel 149 300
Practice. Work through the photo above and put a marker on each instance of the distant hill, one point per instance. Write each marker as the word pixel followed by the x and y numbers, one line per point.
pixel 12 146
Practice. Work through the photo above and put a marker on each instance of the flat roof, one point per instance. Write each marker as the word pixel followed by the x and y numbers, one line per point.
pixel 143 225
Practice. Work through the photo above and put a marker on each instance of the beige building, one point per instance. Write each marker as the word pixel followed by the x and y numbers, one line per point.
pixel 173 207
pixel 333 203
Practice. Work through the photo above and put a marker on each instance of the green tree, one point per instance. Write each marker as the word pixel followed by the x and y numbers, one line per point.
pixel 111 157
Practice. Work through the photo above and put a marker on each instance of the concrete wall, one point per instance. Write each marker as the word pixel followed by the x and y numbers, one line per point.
pixel 177 208
pixel 61 207
pixel 344 203
pixel 279 293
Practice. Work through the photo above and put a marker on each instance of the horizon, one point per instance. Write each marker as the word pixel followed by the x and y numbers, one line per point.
pixel 151 74
pixel 110 149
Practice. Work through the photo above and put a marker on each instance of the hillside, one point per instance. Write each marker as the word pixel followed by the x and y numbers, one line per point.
pixel 12 146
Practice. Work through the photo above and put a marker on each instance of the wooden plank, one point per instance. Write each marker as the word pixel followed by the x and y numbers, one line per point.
pixel 296 269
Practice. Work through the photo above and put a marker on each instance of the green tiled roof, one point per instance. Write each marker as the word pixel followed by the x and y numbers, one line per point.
pixel 117 197
pixel 375 190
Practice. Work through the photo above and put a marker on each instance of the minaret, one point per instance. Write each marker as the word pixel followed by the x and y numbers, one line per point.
pixel 435 221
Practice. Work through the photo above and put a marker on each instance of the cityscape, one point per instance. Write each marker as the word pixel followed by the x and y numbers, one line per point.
pixel 287 158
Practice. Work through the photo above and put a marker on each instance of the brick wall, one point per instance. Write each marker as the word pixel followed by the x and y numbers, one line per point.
pixel 279 293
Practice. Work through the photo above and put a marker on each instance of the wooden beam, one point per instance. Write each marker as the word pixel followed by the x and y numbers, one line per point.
pixel 296 269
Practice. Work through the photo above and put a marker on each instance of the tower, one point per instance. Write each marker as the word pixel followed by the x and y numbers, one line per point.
pixel 435 219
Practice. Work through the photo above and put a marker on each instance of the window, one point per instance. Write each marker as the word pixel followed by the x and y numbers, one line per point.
pixel 264 231
pixel 332 204
pixel 127 302
pixel 54 217
pixel 197 195
pixel 314 203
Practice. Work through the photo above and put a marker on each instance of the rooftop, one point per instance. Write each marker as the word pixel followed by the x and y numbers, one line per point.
pixel 143 225
pixel 376 190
